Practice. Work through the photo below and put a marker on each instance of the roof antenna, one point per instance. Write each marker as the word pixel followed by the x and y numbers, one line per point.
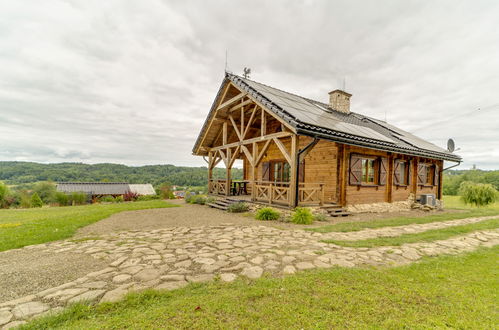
pixel 226 61
pixel 246 73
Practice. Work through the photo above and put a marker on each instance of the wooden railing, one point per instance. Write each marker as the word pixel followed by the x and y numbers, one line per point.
pixel 279 193
pixel 272 192
pixel 311 193
pixel 217 187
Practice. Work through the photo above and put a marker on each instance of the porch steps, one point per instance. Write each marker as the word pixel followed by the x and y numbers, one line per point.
pixel 223 204
pixel 334 210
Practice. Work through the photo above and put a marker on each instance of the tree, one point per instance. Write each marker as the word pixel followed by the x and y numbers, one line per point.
pixel 4 191
pixel 46 191
pixel 165 190
pixel 36 201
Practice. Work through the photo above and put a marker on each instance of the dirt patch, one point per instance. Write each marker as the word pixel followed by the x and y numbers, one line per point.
pixel 25 271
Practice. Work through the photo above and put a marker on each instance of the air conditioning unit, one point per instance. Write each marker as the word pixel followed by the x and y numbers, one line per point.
pixel 427 199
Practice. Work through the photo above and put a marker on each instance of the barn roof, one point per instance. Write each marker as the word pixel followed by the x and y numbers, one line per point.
pixel 105 188
pixel 314 118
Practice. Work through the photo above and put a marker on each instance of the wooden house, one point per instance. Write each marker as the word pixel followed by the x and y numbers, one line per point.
pixel 298 151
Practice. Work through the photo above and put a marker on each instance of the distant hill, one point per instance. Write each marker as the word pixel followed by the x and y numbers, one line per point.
pixel 14 173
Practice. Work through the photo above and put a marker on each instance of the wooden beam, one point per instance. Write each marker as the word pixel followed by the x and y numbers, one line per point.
pixel 250 121
pixel 284 152
pixel 389 179
pixel 293 202
pixel 235 127
pixel 343 175
pixel 248 154
pixel 254 169
pixel 239 105
pixel 234 156
pixel 224 157
pixel 262 152
pixel 241 120
pixel 263 129
pixel 256 139
pixel 232 100
pixel 224 133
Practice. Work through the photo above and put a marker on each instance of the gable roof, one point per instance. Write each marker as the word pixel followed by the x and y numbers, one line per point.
pixel 317 119
pixel 105 188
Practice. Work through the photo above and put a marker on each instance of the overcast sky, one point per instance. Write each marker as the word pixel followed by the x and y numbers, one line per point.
pixel 132 81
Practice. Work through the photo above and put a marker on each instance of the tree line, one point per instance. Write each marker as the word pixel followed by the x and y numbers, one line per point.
pixel 19 173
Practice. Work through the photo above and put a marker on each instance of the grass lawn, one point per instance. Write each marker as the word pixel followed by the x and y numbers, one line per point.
pixel 427 236
pixel 450 202
pixel 21 227
pixel 444 292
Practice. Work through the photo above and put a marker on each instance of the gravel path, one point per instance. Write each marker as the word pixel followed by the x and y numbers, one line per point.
pixel 24 271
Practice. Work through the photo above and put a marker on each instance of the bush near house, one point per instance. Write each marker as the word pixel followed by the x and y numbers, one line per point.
pixel 477 194
pixel 302 216
pixel 238 207
pixel 267 213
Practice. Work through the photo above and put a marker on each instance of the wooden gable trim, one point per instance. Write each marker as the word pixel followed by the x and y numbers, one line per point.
pixel 220 104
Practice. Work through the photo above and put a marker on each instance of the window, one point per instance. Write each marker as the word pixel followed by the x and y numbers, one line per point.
pixel 280 171
pixel 401 173
pixel 368 171
pixel 428 174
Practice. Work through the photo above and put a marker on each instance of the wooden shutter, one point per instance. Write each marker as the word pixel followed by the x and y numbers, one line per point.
pixel 383 162
pixel 396 172
pixel 435 176
pixel 266 171
pixel 421 174
pixel 410 163
pixel 355 172
pixel 301 171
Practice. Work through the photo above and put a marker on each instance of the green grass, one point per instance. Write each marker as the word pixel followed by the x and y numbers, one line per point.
pixel 450 202
pixel 427 236
pixel 23 227
pixel 444 292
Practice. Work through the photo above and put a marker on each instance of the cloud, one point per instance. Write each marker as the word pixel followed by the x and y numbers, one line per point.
pixel 132 82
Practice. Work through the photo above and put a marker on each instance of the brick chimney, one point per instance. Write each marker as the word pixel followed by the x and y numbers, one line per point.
pixel 340 100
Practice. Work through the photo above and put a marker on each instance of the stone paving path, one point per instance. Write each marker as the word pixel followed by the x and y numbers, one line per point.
pixel 401 230
pixel 171 258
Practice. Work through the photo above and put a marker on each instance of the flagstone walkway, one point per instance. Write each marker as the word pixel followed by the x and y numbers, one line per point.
pixel 170 258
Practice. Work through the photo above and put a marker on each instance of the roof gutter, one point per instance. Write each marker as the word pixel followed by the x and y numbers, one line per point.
pixel 311 133
pixel 448 168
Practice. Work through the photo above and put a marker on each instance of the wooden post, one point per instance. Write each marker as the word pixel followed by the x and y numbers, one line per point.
pixel 343 175
pixel 440 180
pixel 415 177
pixel 224 133
pixel 389 179
pixel 228 172
pixel 270 193
pixel 321 195
pixel 293 180
pixel 210 170
pixel 254 167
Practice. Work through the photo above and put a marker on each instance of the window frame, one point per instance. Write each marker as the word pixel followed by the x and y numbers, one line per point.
pixel 282 164
pixel 406 173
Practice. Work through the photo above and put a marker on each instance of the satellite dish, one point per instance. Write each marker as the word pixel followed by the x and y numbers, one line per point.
pixel 451 146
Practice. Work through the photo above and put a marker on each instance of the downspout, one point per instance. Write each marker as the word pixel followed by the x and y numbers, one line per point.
pixel 300 152
pixel 448 168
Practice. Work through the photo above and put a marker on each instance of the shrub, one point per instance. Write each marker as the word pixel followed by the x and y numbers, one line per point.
pixel 198 199
pixel 188 197
pixel 36 201
pixel 210 199
pixel 61 198
pixel 320 217
pixel 119 199
pixel 46 191
pixel 267 213
pixel 477 194
pixel 302 216
pixel 165 191
pixel 238 207
pixel 106 199
pixel 4 192
pixel 130 196
pixel 147 197
pixel 77 198
pixel 24 200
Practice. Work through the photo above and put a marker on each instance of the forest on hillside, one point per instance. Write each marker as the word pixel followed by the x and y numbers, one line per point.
pixel 454 178
pixel 18 173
